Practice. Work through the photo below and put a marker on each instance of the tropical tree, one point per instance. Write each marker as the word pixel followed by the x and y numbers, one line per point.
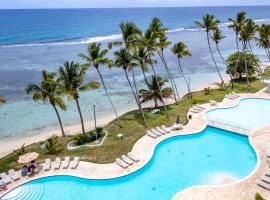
pixel 237 25
pixel 95 57
pixel 50 145
pixel 152 93
pixel 263 40
pixel 72 77
pixel 125 61
pixel 209 23
pixel 2 100
pixel 48 90
pixel 180 50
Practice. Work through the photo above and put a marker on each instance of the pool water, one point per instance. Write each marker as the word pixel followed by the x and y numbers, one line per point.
pixel 250 113
pixel 178 162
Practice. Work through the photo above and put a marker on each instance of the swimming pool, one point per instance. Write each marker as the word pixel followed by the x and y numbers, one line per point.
pixel 250 114
pixel 178 162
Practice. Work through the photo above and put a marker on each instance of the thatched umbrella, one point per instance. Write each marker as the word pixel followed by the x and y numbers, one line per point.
pixel 28 157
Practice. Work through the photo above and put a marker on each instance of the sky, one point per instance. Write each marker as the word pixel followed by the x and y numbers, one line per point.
pixel 30 4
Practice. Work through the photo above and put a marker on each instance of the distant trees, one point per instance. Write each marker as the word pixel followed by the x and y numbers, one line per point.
pixel 2 100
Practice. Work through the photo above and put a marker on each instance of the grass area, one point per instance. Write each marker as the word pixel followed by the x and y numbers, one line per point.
pixel 132 129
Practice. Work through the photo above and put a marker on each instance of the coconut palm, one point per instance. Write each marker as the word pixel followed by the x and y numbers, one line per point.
pixel 48 90
pixel 210 24
pixel 72 80
pixel 95 57
pixel 124 60
pixel 180 50
pixel 237 25
pixel 2 100
pixel 263 40
pixel 152 93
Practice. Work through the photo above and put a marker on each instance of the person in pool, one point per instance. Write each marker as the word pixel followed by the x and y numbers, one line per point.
pixel 3 185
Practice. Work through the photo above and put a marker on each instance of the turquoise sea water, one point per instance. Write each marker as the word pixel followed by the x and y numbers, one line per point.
pixel 32 40
pixel 178 163
pixel 250 114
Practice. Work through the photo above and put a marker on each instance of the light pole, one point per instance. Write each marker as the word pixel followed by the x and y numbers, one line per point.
pixel 94 106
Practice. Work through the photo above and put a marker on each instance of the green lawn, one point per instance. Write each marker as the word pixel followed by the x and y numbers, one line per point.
pixel 132 129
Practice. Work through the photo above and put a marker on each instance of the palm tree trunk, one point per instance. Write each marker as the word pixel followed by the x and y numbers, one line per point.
pixel 236 39
pixel 108 96
pixel 246 68
pixel 135 96
pixel 188 86
pixel 267 53
pixel 59 120
pixel 250 47
pixel 145 79
pixel 159 90
pixel 81 118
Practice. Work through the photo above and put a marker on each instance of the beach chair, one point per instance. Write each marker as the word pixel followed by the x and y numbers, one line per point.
pixel 155 132
pixel 201 107
pixel 65 162
pixel 121 163
pixel 266 179
pixel 196 108
pixel 163 127
pixel 177 127
pixel 150 134
pixel 132 157
pixel 160 130
pixel 14 175
pixel 193 111
pixel 263 185
pixel 47 165
pixel 57 163
pixel 127 160
pixel 213 103
pixel 234 94
pixel 5 178
pixel 74 163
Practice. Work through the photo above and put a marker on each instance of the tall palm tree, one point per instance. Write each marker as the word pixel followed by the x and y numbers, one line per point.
pixel 72 80
pixel 247 34
pixel 2 100
pixel 124 60
pixel 210 24
pixel 152 93
pixel 96 57
pixel 180 50
pixel 263 40
pixel 48 90
pixel 237 25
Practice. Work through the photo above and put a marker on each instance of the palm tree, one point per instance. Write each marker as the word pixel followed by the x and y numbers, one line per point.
pixel 124 60
pixel 180 50
pixel 263 40
pixel 210 24
pixel 96 57
pixel 48 90
pixel 152 94
pixel 237 25
pixel 72 80
pixel 2 100
pixel 130 33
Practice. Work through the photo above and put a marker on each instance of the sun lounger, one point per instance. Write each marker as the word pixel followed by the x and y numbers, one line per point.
pixel 65 162
pixel 132 157
pixel 5 178
pixel 234 94
pixel 213 103
pixel 165 128
pixel 177 127
pixel 228 96
pixel 121 163
pixel 56 163
pixel 196 108
pixel 200 106
pixel 150 134
pixel 264 185
pixel 160 130
pixel 127 160
pixel 156 132
pixel 47 165
pixel 74 163
pixel 194 111
pixel 266 179
pixel 14 175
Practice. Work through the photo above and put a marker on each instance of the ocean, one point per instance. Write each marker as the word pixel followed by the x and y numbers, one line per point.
pixel 32 40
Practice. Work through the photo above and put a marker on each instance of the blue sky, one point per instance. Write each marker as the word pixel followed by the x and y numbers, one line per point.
pixel 123 3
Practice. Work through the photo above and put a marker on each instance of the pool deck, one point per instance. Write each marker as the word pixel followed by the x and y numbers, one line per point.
pixel 144 148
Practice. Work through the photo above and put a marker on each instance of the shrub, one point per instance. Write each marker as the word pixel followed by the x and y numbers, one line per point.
pixel 81 139
pixel 258 196
pixel 50 145
pixel 20 151
pixel 207 90
pixel 195 101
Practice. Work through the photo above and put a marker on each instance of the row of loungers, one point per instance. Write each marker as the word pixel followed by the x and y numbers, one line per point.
pixel 232 96
pixel 264 182
pixel 158 131
pixel 126 160
pixel 197 109
pixel 15 175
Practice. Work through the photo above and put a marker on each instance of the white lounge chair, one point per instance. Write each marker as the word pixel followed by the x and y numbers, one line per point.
pixel 132 157
pixel 14 175
pixel 263 185
pixel 57 163
pixel 160 130
pixel 165 128
pixel 150 134
pixel 47 165
pixel 266 179
pixel 74 163
pixel 5 178
pixel 176 127
pixel 196 108
pixel 121 163
pixel 127 160
pixel 65 162
pixel 156 132
pixel 193 111
pixel 213 103
pixel 234 94
pixel 201 107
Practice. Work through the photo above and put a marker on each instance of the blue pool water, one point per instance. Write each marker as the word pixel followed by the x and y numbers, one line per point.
pixel 251 113
pixel 178 163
